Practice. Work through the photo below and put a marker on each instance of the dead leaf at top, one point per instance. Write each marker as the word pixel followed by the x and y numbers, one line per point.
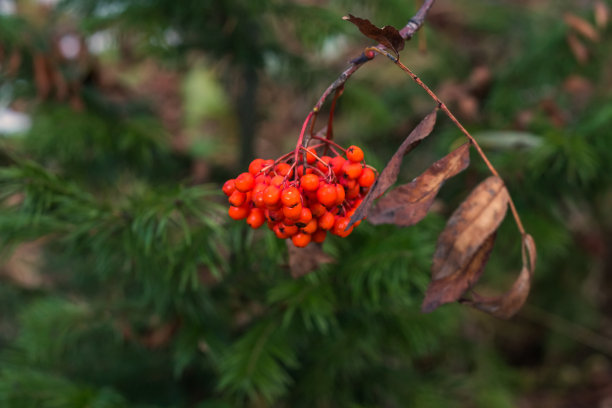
pixel 581 26
pixel 469 226
pixel 389 175
pixel 388 36
pixel 408 204
pixel 305 260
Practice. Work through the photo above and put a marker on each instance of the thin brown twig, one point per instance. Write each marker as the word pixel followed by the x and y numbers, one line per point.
pixel 452 117
pixel 407 32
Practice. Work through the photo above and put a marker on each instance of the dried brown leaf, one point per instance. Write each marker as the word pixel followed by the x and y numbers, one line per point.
pixel 580 51
pixel 602 14
pixel 408 204
pixel 451 287
pixel 581 26
pixel 306 260
pixel 469 226
pixel 389 175
pixel 388 36
pixel 508 304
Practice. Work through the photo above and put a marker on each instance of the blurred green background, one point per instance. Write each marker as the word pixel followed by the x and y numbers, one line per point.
pixel 124 283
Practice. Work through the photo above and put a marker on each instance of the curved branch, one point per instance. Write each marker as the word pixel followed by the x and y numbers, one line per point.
pixel 407 32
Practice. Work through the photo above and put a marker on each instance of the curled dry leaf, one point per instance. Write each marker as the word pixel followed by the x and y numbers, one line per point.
pixel 450 288
pixel 581 26
pixel 506 305
pixel 389 175
pixel 388 36
pixel 306 260
pixel 408 204
pixel 462 249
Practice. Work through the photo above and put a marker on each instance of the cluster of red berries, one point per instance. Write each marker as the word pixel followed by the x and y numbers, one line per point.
pixel 302 199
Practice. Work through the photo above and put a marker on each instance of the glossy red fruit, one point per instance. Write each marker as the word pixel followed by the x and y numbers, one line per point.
pixel 256 166
pixel 319 236
pixel 354 154
pixel 301 239
pixel 229 187
pixel 367 177
pixel 256 218
pixel 237 198
pixel 244 182
pixel 309 182
pixel 290 196
pixel 238 213
pixel 326 194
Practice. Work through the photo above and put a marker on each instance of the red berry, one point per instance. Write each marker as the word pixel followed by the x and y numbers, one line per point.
pixel 305 216
pixel 367 177
pixel 272 196
pixel 311 227
pixel 340 227
pixel 354 154
pixel 256 166
pixel 311 156
pixel 301 239
pixel 326 221
pixel 237 198
pixel 340 194
pixel 289 230
pixel 317 209
pixel 293 213
pixel 283 169
pixel 319 236
pixel 256 218
pixel 238 213
pixel 309 182
pixel 229 187
pixel 325 163
pixel 337 163
pixel 326 194
pixel 245 182
pixel 290 196
pixel 352 170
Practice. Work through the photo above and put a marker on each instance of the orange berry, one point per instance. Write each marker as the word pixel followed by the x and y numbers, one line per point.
pixel 293 213
pixel 284 169
pixel 256 166
pixel 279 230
pixel 326 221
pixel 317 209
pixel 258 200
pixel 244 182
pixel 340 227
pixel 324 163
pixel 354 154
pixel 311 156
pixel 290 196
pixel 262 179
pixel 310 227
pixel 367 177
pixel 277 181
pixel 229 187
pixel 237 198
pixel 340 194
pixel 337 163
pixel 305 216
pixel 319 236
pixel 301 239
pixel 352 170
pixel 271 196
pixel 353 192
pixel 309 182
pixel 256 218
pixel 238 213
pixel 289 230
pixel 274 215
pixel 326 194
